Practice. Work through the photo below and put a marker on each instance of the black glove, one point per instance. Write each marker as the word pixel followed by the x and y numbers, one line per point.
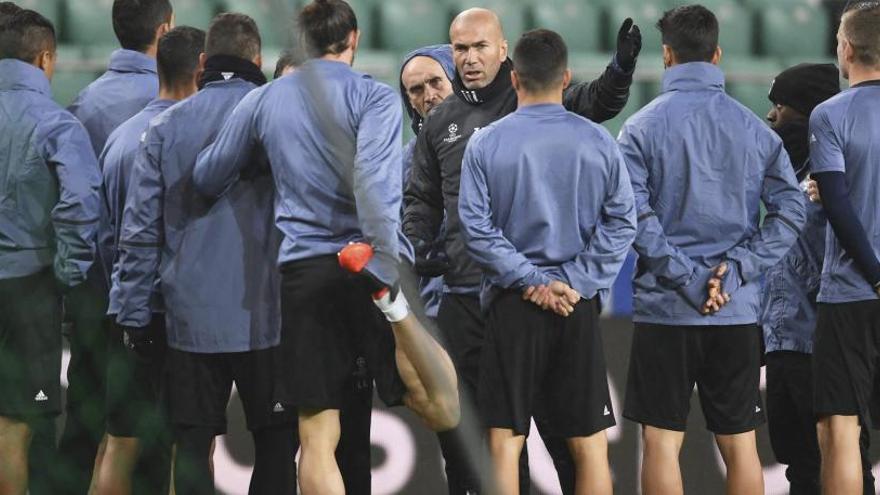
pixel 629 44
pixel 431 267
pixel 139 339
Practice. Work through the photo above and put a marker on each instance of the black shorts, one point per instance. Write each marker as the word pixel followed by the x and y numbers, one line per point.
pixel 328 322
pixel 723 361
pixel 30 346
pixel 199 385
pixel 134 384
pixel 844 359
pixel 535 362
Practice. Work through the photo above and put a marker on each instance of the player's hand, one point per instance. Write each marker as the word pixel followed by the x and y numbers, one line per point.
pixel 717 296
pixel 629 44
pixel 564 298
pixel 811 187
pixel 381 274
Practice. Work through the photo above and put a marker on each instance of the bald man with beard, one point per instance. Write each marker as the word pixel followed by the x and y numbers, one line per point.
pixel 483 93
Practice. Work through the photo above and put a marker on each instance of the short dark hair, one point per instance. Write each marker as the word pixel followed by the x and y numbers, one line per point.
pixel 691 31
pixel 540 59
pixel 861 27
pixel 177 58
pixel 24 35
pixel 289 58
pixel 235 35
pixel 135 21
pixel 325 26
pixel 7 10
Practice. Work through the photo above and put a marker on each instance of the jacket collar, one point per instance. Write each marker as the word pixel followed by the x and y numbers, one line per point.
pixel 123 60
pixel 15 74
pixel 542 109
pixel 693 76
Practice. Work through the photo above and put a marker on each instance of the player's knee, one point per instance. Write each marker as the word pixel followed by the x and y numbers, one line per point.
pixel 590 448
pixel 659 439
pixel 837 431
pixel 13 432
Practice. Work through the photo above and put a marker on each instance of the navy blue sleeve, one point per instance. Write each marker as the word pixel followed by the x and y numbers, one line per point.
pixel 834 191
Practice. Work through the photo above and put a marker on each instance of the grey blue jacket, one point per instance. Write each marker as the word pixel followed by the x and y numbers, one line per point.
pixel 545 195
pixel 214 256
pixel 700 165
pixel 333 139
pixel 49 181
pixel 843 139
pixel 125 89
pixel 117 161
pixel 791 288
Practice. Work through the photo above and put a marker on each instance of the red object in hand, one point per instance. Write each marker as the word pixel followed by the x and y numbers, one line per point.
pixel 354 258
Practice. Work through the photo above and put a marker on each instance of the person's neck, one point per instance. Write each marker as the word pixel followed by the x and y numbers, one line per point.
pixel 525 98
pixel 346 57
pixel 152 50
pixel 177 93
pixel 859 74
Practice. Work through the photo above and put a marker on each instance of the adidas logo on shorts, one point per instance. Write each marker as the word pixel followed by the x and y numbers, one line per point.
pixel 607 412
pixel 278 408
pixel 40 397
pixel 757 409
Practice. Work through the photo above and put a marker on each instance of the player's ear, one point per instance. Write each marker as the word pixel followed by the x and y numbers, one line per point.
pixel 566 78
pixel 668 57
pixel 716 57
pixel 354 39
pixel 503 48
pixel 514 80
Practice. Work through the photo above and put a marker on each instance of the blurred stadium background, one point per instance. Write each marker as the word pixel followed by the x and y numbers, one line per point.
pixel 759 39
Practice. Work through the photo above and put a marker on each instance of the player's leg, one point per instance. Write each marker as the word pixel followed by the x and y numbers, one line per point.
pixel 729 383
pixel 319 433
pixel 792 425
pixel 353 451
pixel 272 425
pixel 579 398
pixel 138 432
pixel 462 326
pixel 505 447
pixel 592 471
pixel 83 434
pixel 15 437
pixel 740 455
pixel 661 472
pixel 198 387
pixel 318 299
pixel 845 353
pixel 30 369
pixel 659 386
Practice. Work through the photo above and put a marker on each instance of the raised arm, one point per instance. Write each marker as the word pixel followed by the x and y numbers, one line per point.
pixel 603 98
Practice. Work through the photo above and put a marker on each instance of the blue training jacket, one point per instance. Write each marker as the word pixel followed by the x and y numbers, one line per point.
pixel 701 164
pixel 49 181
pixel 214 257
pixel 125 89
pixel 117 161
pixel 791 288
pixel 545 195
pixel 332 136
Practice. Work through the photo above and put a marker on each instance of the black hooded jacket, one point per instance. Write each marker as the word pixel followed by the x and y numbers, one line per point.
pixel 436 172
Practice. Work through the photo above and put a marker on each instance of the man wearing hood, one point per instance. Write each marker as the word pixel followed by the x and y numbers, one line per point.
pixel 483 94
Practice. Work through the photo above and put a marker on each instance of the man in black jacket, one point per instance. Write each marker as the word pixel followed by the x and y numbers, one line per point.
pixel 484 94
